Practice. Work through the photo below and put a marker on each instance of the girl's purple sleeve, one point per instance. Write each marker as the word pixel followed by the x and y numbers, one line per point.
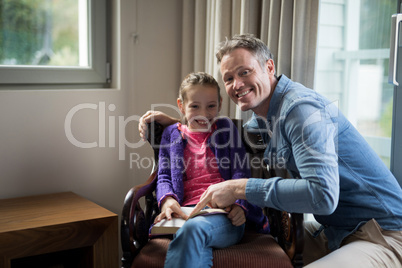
pixel 164 185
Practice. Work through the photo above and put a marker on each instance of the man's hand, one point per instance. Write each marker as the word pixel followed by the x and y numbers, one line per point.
pixel 151 116
pixel 236 215
pixel 222 195
pixel 170 207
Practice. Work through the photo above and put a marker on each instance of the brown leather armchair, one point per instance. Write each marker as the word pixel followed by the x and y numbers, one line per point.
pixel 282 248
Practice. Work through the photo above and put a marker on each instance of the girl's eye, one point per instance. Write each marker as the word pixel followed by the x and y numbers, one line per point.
pixel 194 106
pixel 212 106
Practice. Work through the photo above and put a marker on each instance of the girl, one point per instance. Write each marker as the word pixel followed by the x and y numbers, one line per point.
pixel 203 151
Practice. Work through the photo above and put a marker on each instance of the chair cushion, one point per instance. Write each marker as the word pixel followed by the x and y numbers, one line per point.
pixel 254 250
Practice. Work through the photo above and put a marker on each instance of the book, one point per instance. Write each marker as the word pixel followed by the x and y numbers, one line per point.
pixel 166 227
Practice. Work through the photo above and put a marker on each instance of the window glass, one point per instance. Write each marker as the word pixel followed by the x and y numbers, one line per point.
pixel 44 32
pixel 352 65
pixel 54 43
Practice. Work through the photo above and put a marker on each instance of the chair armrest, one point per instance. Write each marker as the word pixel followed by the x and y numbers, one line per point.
pixel 289 230
pixel 134 222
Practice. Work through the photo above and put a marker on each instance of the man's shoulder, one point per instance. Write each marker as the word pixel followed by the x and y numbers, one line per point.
pixel 297 94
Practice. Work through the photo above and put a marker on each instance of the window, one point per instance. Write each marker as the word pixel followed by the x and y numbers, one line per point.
pixel 352 65
pixel 352 68
pixel 396 152
pixel 53 42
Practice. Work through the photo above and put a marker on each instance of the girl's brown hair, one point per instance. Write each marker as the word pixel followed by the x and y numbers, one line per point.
pixel 198 78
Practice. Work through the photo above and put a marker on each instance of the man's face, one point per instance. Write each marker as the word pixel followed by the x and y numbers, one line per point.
pixel 246 82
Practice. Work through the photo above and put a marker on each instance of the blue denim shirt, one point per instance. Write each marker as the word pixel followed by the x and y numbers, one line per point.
pixel 334 173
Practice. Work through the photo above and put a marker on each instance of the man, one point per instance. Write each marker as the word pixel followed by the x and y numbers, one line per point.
pixel 334 173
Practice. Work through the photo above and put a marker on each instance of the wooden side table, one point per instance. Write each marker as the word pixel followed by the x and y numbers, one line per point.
pixel 57 230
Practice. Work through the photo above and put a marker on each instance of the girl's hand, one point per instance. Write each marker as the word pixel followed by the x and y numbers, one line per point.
pixel 236 215
pixel 170 207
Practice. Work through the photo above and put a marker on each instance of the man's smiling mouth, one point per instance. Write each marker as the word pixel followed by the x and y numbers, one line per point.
pixel 243 93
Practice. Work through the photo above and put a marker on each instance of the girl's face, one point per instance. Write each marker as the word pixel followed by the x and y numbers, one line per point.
pixel 200 107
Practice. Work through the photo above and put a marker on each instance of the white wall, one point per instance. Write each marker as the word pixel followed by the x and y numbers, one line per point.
pixel 155 61
pixel 36 156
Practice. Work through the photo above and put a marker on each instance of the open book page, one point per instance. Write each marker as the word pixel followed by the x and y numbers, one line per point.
pixel 204 211
pixel 170 227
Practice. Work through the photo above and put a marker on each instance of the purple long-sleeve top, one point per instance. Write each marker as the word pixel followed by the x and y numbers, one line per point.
pixel 231 157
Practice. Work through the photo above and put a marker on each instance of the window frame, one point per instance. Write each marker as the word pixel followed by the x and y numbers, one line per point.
pixel 396 147
pixel 96 75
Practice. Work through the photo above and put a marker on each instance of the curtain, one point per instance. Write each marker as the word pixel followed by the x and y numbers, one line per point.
pixel 288 27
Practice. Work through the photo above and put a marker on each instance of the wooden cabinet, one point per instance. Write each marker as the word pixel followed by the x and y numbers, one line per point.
pixel 57 230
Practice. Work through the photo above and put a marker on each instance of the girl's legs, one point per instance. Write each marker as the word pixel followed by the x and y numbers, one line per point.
pixel 193 244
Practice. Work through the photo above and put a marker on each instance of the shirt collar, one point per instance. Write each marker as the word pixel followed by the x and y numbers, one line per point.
pixel 276 100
